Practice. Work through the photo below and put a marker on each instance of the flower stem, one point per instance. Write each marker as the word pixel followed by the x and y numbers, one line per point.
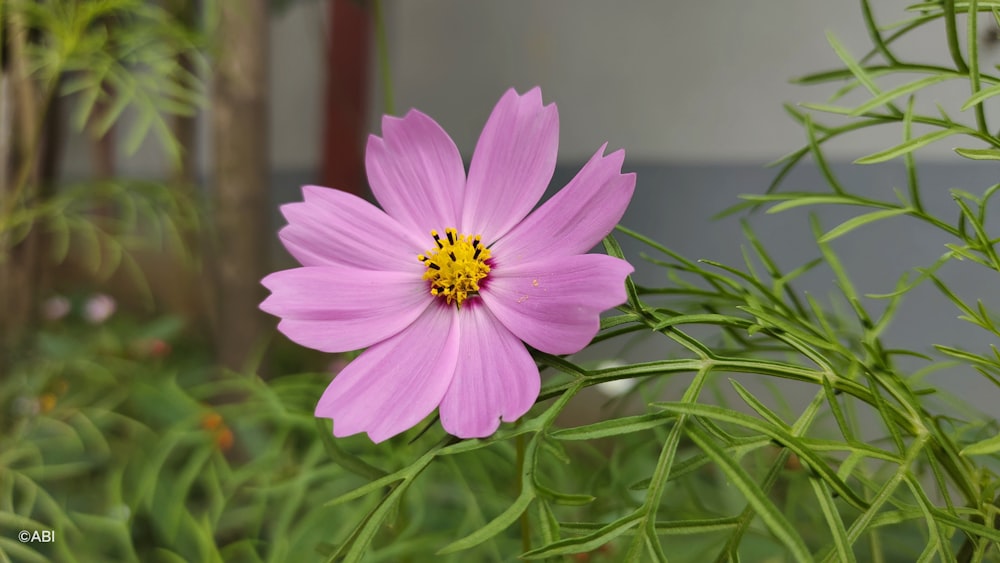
pixel 950 26
pixel 525 522
pixel 381 46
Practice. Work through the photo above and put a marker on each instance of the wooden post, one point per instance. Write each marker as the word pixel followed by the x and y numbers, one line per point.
pixel 21 131
pixel 346 96
pixel 242 176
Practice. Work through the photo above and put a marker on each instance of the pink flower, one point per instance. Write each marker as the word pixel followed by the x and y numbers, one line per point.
pixel 99 308
pixel 55 308
pixel 448 283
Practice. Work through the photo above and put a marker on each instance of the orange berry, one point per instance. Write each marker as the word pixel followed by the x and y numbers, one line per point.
pixel 211 421
pixel 224 439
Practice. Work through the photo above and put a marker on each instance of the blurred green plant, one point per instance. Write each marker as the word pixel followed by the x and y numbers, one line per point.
pixel 110 58
pixel 121 439
pixel 113 56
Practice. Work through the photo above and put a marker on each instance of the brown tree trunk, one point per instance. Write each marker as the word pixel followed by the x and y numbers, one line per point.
pixel 185 128
pixel 189 262
pixel 20 129
pixel 102 151
pixel 346 110
pixel 239 129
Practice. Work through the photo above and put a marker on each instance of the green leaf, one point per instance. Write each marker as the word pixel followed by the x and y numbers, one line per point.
pixel 985 447
pixel 841 543
pixel 704 319
pixel 803 200
pixel 907 147
pixel 843 280
pixel 909 162
pixel 565 499
pixel 696 526
pixel 137 134
pixel 979 154
pixel 980 96
pixel 759 407
pixel 820 158
pixel 857 70
pixel 777 433
pixel 908 88
pixel 20 551
pixel 495 526
pixel 588 542
pixel 790 200
pixel 827 108
pixel 959 5
pixel 861 220
pixel 612 247
pixel 369 487
pixel 548 525
pixel 613 427
pixel 354 547
pixel 768 512
pixel 973 527
pixel 343 458
pixel 881 44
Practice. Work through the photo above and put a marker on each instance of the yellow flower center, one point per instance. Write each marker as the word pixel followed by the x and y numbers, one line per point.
pixel 456 266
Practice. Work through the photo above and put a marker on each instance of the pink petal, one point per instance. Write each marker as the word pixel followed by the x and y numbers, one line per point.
pixel 576 218
pixel 512 165
pixel 495 377
pixel 416 173
pixel 554 305
pixel 334 227
pixel 396 383
pixel 340 308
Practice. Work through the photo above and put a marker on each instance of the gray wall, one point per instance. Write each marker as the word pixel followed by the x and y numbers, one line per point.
pixel 668 81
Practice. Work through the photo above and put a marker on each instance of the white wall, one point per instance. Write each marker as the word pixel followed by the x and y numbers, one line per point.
pixel 667 80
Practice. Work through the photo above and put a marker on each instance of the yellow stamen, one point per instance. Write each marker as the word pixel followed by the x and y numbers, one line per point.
pixel 456 266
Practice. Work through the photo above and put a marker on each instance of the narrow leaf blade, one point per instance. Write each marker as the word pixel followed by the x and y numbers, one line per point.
pixel 985 447
pixel 906 147
pixel 861 220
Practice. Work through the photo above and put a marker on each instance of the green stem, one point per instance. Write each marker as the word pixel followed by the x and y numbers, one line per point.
pixel 951 28
pixel 519 443
pixel 875 34
pixel 909 160
pixel 382 47
pixel 972 39
pixel 747 516
pixel 661 473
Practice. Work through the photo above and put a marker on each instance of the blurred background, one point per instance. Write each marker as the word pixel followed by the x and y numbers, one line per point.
pixel 700 82
pixel 147 146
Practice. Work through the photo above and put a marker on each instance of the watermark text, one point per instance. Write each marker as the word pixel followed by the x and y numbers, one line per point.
pixel 39 536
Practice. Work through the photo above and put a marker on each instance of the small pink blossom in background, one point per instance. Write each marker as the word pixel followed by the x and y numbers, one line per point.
pixel 99 308
pixel 447 282
pixel 55 308
pixel 151 348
